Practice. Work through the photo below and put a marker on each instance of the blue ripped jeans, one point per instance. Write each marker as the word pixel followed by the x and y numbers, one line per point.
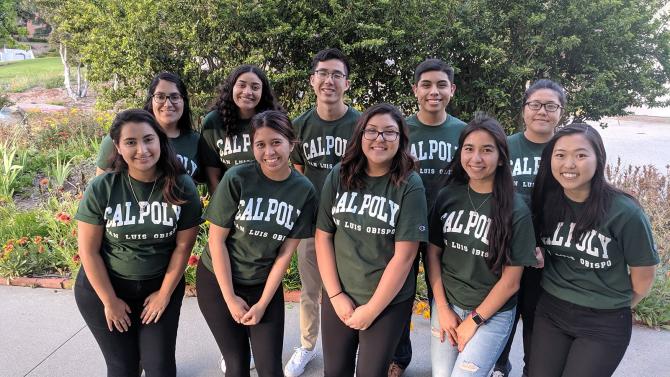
pixel 480 353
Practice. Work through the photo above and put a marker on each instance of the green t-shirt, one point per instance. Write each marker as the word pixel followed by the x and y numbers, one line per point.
pixel 434 147
pixel 185 146
pixel 321 143
pixel 137 244
pixel 524 159
pixel 462 232
pixel 261 214
pixel 221 150
pixel 593 271
pixel 366 223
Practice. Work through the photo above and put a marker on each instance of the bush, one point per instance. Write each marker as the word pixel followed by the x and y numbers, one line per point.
pixel 652 188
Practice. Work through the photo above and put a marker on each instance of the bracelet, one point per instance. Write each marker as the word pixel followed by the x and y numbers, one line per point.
pixel 335 295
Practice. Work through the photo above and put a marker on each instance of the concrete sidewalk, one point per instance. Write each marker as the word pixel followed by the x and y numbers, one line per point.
pixel 43 334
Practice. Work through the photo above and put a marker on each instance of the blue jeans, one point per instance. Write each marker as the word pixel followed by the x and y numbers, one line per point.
pixel 480 353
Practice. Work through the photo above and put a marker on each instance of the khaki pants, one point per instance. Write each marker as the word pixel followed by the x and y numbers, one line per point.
pixel 310 296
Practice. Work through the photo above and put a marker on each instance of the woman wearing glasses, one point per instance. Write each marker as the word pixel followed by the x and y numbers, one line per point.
pixel 371 219
pixel 225 140
pixel 543 104
pixel 600 259
pixel 167 99
pixel 136 228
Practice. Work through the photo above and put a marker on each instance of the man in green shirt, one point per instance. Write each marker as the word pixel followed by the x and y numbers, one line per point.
pixel 323 132
pixel 433 135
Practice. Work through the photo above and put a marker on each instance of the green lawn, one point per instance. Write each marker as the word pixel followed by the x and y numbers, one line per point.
pixel 22 75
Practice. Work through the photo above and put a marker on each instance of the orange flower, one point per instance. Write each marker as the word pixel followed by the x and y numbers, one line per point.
pixel 193 260
pixel 8 247
pixel 38 239
pixel 44 181
pixel 76 259
pixel 74 232
pixel 63 217
pixel 22 241
pixel 40 249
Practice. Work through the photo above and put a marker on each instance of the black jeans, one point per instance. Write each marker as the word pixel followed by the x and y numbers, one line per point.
pixel 267 337
pixel 403 353
pixel 528 295
pixel 375 345
pixel 153 344
pixel 574 341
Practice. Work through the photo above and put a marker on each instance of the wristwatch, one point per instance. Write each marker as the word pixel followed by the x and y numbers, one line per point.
pixel 479 320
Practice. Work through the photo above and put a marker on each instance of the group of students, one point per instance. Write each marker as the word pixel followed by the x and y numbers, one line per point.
pixel 507 227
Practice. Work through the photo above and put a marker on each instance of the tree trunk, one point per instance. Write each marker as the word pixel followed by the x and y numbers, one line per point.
pixel 66 71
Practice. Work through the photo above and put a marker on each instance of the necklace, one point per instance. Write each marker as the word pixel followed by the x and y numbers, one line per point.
pixel 473 204
pixel 144 204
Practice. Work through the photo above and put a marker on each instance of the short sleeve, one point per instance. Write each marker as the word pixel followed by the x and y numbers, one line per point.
pixel 304 225
pixel 224 203
pixel 413 214
pixel 104 153
pixel 522 245
pixel 637 241
pixel 91 206
pixel 324 220
pixel 191 211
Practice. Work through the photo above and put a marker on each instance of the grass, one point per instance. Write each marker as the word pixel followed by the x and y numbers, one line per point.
pixel 23 75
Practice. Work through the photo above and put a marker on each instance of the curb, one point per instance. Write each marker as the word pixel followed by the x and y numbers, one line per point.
pixel 67 283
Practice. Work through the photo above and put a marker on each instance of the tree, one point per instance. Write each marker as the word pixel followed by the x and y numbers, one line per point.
pixel 7 20
pixel 609 54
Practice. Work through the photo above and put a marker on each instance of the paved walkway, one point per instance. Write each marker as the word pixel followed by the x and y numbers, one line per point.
pixel 42 334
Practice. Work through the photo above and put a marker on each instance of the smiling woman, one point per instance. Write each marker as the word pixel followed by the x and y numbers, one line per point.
pixel 225 140
pixel 167 99
pixel 371 219
pixel 136 228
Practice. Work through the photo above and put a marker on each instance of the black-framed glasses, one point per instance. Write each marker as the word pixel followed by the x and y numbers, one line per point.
pixel 323 74
pixel 549 106
pixel 160 98
pixel 372 134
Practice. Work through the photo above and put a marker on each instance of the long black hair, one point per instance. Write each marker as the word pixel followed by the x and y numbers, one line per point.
pixel 167 166
pixel 184 124
pixel 549 203
pixel 502 197
pixel 228 110
pixel 354 162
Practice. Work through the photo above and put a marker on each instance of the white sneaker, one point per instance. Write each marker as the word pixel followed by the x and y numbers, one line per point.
pixel 252 364
pixel 296 365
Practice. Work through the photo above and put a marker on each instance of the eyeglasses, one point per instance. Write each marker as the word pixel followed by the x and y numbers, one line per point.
pixel 323 74
pixel 372 134
pixel 160 98
pixel 549 106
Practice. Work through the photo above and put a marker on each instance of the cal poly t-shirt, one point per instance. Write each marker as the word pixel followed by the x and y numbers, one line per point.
pixel 220 149
pixel 260 213
pixel 434 147
pixel 366 223
pixel 185 146
pixel 321 143
pixel 592 271
pixel 524 159
pixel 138 244
pixel 459 224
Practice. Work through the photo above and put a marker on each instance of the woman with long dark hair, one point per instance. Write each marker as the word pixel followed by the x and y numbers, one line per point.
pixel 481 236
pixel 167 100
pixel 258 214
pixel 600 259
pixel 225 140
pixel 371 219
pixel 136 228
